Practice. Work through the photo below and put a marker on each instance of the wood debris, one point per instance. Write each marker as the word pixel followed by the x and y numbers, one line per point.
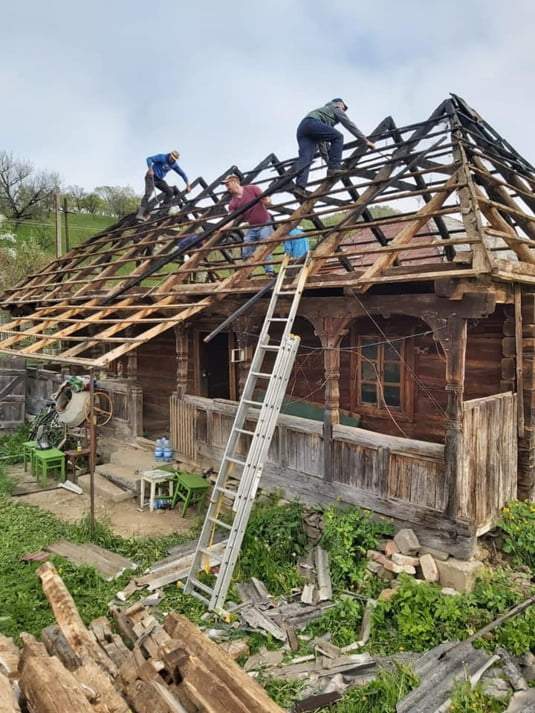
pixel 171 668
pixel 109 564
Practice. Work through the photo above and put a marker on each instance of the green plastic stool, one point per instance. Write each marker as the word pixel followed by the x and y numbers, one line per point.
pixel 189 488
pixel 28 448
pixel 47 461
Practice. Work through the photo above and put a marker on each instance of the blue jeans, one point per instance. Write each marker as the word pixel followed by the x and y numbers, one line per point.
pixel 251 236
pixel 310 133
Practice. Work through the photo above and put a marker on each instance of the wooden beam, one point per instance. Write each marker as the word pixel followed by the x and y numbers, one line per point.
pixel 403 237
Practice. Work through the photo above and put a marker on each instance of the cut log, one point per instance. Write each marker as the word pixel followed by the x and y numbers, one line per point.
pixel 9 657
pixel 220 665
pixel 57 645
pixel 69 620
pixel 8 699
pixel 50 688
pixel 207 691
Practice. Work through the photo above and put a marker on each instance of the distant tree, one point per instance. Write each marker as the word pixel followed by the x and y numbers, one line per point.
pixel 24 192
pixel 118 200
pixel 77 195
pixel 93 203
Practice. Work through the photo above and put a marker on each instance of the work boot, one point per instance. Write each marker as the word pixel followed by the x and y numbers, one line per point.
pixel 301 192
pixel 335 172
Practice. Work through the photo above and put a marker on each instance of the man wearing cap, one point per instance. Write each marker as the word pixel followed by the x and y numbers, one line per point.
pixel 159 166
pixel 317 128
pixel 257 216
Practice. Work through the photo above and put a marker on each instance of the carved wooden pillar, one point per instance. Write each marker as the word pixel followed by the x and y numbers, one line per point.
pixel 454 344
pixel 330 331
pixel 182 358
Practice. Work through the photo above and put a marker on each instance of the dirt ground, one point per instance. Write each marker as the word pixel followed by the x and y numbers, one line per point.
pixel 124 518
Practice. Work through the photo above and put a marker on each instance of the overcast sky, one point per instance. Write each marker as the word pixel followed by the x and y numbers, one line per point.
pixel 90 89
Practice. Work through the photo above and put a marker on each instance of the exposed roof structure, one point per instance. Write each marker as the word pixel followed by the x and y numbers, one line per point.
pixel 463 205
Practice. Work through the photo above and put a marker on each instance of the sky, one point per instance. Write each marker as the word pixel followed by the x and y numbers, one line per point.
pixel 90 89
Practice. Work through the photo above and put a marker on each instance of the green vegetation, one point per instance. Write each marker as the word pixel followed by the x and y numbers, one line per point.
pixel 273 542
pixel 466 699
pixel 42 231
pixel 518 525
pixel 28 529
pixel 348 534
pixel 419 616
pixel 283 692
pixel 342 621
pixel 379 696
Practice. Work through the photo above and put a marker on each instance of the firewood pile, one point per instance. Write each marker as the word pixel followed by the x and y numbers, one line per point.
pixel 149 667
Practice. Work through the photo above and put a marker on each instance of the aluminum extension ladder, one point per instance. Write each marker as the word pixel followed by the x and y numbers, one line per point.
pixel 239 477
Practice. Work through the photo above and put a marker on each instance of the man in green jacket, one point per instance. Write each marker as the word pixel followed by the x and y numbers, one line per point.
pixel 317 128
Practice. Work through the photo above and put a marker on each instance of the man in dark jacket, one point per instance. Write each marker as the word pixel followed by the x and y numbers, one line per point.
pixel 158 166
pixel 317 128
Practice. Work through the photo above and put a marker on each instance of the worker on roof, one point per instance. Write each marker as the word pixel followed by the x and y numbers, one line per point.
pixel 297 244
pixel 257 216
pixel 159 166
pixel 317 128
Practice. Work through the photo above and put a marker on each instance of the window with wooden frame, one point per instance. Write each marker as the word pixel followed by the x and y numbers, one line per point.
pixel 380 375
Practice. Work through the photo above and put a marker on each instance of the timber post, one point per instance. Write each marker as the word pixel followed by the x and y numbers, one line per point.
pixel 330 334
pixel 454 345
pixel 182 354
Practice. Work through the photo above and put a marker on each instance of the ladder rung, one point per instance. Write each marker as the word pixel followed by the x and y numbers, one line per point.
pixel 220 523
pixel 278 319
pixel 244 431
pixel 294 267
pixel 270 347
pixel 226 491
pixel 252 403
pixel 235 460
pixel 261 375
pixel 286 292
pixel 201 586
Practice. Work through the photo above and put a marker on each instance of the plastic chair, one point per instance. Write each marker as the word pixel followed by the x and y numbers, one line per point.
pixel 189 488
pixel 28 448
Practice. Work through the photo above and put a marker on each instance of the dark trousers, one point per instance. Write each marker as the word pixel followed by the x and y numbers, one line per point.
pixel 310 133
pixel 152 182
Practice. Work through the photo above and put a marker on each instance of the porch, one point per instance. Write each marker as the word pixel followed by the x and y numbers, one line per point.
pixel 403 478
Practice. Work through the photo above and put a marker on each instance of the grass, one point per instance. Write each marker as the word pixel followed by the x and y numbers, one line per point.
pixel 466 699
pixel 81 227
pixel 26 529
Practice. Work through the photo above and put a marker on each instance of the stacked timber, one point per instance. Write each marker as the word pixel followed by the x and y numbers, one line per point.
pixel 149 668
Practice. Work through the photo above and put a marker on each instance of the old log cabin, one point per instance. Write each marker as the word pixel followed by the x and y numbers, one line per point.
pixel 413 393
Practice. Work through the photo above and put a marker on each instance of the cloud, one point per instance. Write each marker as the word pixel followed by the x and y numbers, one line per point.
pixel 91 90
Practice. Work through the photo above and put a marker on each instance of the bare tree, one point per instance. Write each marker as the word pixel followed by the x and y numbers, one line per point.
pixel 24 192
pixel 77 194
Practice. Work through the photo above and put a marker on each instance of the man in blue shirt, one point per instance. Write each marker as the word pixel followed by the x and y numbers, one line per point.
pixel 159 166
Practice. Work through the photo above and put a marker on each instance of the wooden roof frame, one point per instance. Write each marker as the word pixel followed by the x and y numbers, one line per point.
pixel 133 281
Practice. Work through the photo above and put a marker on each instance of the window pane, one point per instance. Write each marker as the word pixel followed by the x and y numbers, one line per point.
pixel 392 396
pixel 369 347
pixel 392 372
pixel 391 351
pixel 368 371
pixel 368 394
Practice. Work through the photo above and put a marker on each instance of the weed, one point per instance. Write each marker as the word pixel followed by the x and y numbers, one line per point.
pixel 466 699
pixel 342 621
pixel 518 525
pixel 348 535
pixel 7 485
pixel 419 616
pixel 283 692
pixel 273 541
pixel 379 696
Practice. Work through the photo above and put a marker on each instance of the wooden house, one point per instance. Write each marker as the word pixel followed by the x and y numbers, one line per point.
pixel 413 393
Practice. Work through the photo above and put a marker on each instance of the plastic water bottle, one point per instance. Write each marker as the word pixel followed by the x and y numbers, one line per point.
pixel 158 449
